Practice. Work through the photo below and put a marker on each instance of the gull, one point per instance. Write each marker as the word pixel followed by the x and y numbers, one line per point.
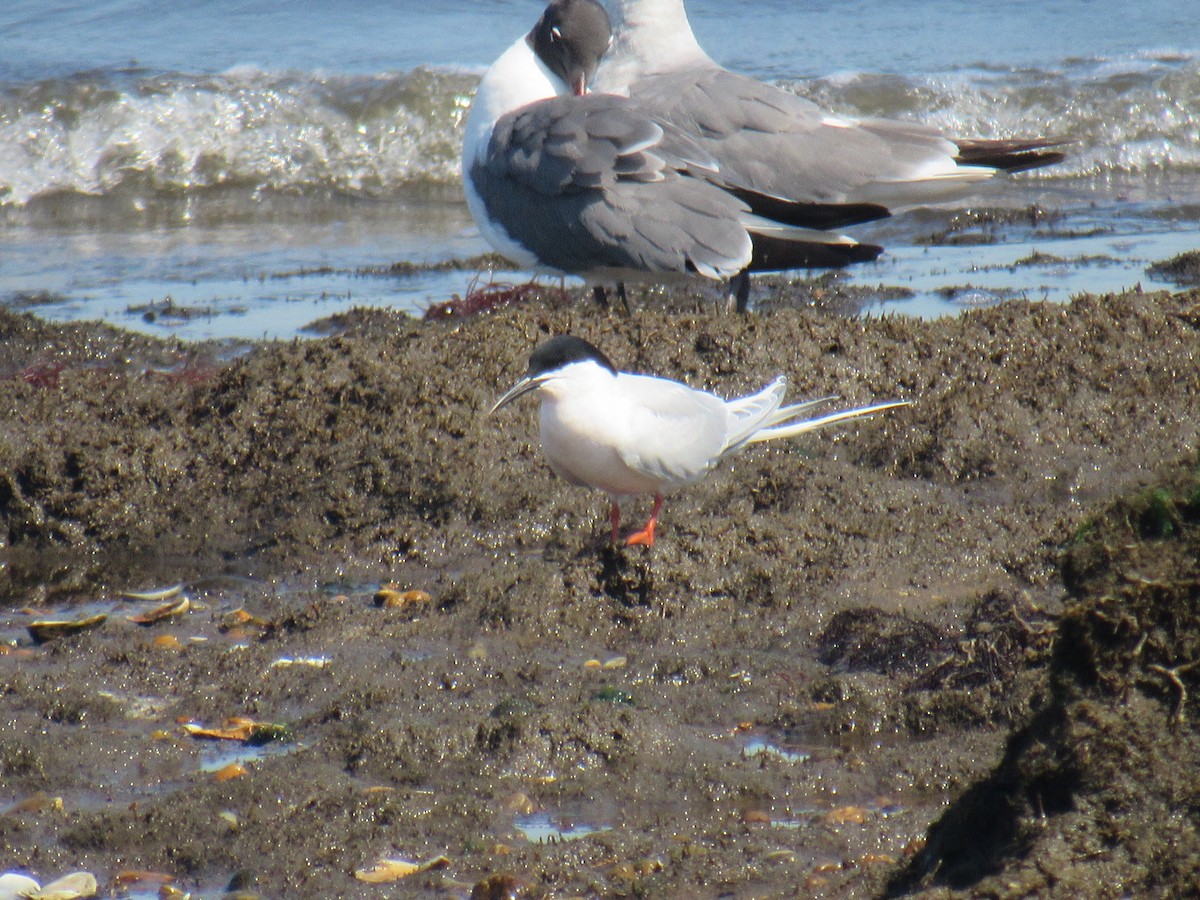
pixel 567 182
pixel 628 434
pixel 833 171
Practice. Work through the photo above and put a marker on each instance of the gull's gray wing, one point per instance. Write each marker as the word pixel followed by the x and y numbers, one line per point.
pixel 783 145
pixel 591 183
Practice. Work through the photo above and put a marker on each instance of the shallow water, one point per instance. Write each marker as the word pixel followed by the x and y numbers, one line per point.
pixel 204 158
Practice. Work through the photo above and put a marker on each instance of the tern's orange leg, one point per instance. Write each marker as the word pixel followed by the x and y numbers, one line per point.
pixel 645 537
pixel 614 516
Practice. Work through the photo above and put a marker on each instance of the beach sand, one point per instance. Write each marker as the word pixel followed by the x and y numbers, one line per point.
pixel 946 650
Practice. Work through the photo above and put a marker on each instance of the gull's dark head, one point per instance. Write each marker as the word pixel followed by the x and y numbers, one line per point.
pixel 549 359
pixel 571 38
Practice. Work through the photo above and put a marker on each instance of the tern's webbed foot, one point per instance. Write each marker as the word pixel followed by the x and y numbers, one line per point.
pixel 644 538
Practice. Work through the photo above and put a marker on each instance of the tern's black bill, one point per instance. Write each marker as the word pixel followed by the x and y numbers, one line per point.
pixel 520 389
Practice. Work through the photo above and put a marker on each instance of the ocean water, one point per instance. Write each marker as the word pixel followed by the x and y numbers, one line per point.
pixel 241 168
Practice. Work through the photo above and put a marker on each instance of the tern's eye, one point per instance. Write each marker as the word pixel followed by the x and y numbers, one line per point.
pixel 555 34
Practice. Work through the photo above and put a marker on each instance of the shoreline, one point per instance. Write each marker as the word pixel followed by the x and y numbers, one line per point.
pixel 276 278
pixel 881 606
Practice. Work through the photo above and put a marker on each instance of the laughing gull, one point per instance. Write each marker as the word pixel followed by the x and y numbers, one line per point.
pixel 844 170
pixel 568 182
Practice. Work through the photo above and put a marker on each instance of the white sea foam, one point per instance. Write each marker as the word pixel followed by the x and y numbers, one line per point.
pixel 263 131
pixel 1134 115
pixel 148 138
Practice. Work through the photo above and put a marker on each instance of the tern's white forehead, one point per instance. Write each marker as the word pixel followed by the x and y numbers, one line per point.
pixel 572 378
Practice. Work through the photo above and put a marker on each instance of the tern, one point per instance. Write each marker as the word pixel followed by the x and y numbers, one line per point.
pixel 628 434
pixel 833 171
pixel 568 182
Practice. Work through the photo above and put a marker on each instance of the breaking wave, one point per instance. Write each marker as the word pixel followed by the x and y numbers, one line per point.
pixel 1128 116
pixel 104 133
pixel 144 138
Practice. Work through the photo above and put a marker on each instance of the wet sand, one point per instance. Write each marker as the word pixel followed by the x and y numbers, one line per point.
pixel 945 651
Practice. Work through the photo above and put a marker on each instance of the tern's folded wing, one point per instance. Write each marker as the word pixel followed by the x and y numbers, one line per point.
pixel 675 434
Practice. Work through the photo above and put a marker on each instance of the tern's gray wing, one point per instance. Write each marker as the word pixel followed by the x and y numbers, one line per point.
pixel 677 434
pixel 589 183
pixel 781 144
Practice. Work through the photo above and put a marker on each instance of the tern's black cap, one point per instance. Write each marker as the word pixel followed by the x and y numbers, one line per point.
pixel 562 351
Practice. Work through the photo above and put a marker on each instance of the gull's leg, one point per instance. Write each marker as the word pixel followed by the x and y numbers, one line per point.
pixel 623 297
pixel 614 516
pixel 645 537
pixel 739 291
pixel 600 296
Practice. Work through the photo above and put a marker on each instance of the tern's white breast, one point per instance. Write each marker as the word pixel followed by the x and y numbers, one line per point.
pixel 582 441
pixel 629 434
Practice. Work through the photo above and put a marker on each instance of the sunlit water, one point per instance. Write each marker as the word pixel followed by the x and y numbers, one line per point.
pixel 231 169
